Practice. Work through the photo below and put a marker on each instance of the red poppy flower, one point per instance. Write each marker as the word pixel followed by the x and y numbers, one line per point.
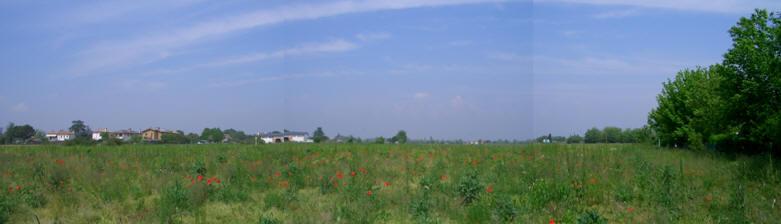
pixel 101 172
pixel 368 192
pixel 708 198
pixel 335 184
pixel 340 176
pixel 352 174
pixel 218 181
pixel 209 181
pixel 387 184
pixel 276 174
pixel 18 187
pixel 557 169
pixel 444 177
pixel 630 209
pixel 200 177
pixel 10 188
pixel 189 177
pixel 593 180
pixel 489 189
pixel 253 179
pixel 551 221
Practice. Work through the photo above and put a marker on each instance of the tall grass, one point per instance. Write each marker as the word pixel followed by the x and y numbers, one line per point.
pixel 301 183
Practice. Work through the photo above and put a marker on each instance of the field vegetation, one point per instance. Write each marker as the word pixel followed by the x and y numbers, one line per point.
pixel 370 183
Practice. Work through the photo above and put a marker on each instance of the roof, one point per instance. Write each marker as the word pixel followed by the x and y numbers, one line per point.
pixel 290 133
pixel 60 133
pixel 126 132
pixel 101 131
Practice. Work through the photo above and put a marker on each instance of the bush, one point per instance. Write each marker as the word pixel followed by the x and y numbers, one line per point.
pixel 591 217
pixel 80 142
pixel 470 187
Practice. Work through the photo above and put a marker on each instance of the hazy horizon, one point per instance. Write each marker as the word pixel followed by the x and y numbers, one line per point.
pixel 465 69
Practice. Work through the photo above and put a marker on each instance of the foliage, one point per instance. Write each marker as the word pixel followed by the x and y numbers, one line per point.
pixel 17 134
pixel 135 139
pixel 319 136
pixel 591 217
pixel 470 187
pixel 401 137
pixel 81 130
pixel 611 134
pixel 213 135
pixel 593 135
pixel 80 141
pixel 379 140
pixel 171 138
pixel 751 85
pixel 574 139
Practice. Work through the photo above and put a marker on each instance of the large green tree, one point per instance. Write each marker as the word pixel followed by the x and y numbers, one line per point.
pixel 593 135
pixel 213 135
pixel 611 134
pixel 81 130
pixel 401 137
pixel 689 110
pixel 752 83
pixel 319 135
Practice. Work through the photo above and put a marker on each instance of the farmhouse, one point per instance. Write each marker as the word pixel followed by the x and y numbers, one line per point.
pixel 151 134
pixel 96 135
pixel 60 136
pixel 293 136
pixel 125 135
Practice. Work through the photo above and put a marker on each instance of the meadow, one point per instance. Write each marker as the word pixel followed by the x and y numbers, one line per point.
pixel 367 183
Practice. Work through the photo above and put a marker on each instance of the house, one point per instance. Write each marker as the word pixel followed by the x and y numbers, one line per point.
pixel 151 134
pixel 226 138
pixel 125 135
pixel 60 136
pixel 97 135
pixel 292 136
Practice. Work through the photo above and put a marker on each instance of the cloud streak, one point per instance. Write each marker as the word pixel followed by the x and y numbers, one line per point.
pixel 718 6
pixel 305 49
pixel 146 48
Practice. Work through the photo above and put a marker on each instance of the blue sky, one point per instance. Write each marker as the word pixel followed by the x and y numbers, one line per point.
pixel 470 69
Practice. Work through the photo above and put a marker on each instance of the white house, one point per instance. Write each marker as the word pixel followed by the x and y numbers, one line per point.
pixel 96 135
pixel 125 135
pixel 60 136
pixel 293 136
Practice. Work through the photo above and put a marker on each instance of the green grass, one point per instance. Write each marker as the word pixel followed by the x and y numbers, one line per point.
pixel 529 184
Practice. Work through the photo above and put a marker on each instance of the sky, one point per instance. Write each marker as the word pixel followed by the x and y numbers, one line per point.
pixel 446 69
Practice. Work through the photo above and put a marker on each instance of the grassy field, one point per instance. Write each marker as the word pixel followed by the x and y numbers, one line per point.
pixel 345 183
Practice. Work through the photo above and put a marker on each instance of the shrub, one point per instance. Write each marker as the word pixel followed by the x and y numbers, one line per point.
pixel 504 209
pixel 470 187
pixel 591 217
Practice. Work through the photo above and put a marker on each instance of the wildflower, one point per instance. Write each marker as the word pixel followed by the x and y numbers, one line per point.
pixel 577 164
pixel 253 179
pixel 101 171
pixel 18 187
pixel 387 184
pixel 276 174
pixel 444 177
pixel 368 192
pixel 352 174
pixel 335 184
pixel 218 181
pixel 593 180
pixel 551 221
pixel 557 169
pixel 630 209
pixel 189 177
pixel 332 178
pixel 340 176
pixel 10 188
pixel 209 181
pixel 200 177
pixel 708 198
pixel 489 189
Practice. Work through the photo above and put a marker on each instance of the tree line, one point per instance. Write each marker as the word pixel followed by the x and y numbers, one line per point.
pixel 730 106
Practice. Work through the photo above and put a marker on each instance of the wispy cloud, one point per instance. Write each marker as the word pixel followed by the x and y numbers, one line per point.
pixel 20 107
pixel 615 14
pixel 458 43
pixel 719 6
pixel 281 77
pixel 372 36
pixel 546 65
pixel 304 49
pixel 145 48
pixel 421 96
pixel 104 11
pixel 507 56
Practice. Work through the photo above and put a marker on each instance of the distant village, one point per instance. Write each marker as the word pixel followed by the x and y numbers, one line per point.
pixel 80 134
pixel 156 135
